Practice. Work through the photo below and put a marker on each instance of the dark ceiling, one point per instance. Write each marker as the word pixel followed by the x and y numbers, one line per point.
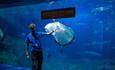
pixel 13 3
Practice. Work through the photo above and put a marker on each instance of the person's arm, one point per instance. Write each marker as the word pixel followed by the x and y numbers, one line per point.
pixel 48 33
pixel 27 50
pixel 27 47
pixel 45 33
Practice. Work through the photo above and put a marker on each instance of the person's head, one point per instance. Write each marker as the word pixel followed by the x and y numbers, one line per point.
pixel 32 27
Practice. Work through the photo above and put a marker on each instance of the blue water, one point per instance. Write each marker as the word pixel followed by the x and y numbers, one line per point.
pixel 92 49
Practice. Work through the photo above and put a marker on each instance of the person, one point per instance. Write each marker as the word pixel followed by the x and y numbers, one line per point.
pixel 33 42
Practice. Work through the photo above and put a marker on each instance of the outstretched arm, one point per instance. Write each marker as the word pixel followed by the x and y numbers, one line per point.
pixel 45 33
pixel 48 33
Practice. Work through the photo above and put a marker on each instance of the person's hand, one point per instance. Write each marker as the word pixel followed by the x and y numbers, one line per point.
pixel 27 56
pixel 49 33
pixel 53 31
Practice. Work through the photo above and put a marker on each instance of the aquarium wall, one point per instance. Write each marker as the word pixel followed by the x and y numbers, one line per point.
pixel 93 47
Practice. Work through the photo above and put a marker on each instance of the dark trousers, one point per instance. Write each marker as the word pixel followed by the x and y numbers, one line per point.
pixel 37 58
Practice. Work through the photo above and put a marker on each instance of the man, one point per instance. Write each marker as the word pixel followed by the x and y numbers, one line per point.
pixel 33 42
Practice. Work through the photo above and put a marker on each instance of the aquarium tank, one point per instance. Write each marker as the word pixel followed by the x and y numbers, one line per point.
pixel 84 41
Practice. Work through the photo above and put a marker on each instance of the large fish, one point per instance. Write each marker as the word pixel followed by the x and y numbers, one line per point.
pixel 63 34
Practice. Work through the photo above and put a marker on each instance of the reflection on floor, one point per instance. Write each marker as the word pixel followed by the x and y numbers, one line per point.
pixel 9 67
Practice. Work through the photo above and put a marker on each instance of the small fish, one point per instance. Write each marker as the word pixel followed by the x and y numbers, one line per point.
pixel 101 9
pixel 51 2
pixel 97 43
pixel 93 53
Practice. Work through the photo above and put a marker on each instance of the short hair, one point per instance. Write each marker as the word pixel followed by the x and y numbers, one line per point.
pixel 32 26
